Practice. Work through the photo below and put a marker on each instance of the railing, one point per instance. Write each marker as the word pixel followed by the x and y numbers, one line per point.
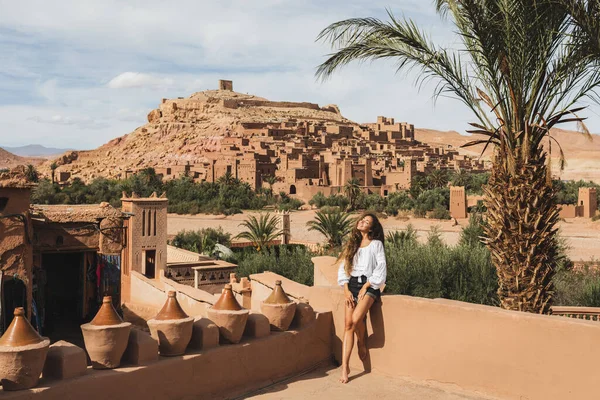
pixel 587 313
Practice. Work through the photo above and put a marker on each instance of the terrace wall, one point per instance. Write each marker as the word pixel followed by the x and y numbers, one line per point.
pixel 224 371
pixel 503 353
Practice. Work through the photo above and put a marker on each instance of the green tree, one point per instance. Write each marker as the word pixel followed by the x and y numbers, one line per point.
pixel 523 67
pixel 31 174
pixel 226 179
pixel 437 179
pixel 333 224
pixel 352 191
pixel 53 168
pixel 260 231
pixel 270 180
pixel 461 178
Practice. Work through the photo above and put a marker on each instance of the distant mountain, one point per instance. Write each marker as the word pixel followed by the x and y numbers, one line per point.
pixel 9 160
pixel 35 150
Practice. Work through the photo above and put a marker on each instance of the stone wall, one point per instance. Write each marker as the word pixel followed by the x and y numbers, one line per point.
pixel 231 103
pixel 16 233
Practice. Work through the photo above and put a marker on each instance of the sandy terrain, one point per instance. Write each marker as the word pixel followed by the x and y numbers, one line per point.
pixel 583 235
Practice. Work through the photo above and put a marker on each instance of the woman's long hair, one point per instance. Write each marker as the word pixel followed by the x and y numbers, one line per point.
pixel 355 238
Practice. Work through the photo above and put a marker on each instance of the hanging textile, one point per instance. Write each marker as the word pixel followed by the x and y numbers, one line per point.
pixel 109 274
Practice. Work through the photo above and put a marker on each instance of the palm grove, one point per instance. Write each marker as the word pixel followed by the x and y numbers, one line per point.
pixel 524 67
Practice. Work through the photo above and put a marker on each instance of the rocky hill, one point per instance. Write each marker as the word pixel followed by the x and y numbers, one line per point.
pixel 182 130
pixel 9 160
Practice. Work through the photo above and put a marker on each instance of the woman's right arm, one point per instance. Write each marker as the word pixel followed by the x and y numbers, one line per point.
pixel 343 281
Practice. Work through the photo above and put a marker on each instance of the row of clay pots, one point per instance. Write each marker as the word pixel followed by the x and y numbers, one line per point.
pixel 106 337
pixel 231 318
pixel 23 351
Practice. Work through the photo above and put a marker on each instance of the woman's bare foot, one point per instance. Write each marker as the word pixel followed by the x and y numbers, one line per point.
pixel 345 373
pixel 362 349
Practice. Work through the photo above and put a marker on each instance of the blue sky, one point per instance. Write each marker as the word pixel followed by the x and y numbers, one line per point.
pixel 79 73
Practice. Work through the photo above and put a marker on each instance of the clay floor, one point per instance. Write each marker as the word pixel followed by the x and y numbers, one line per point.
pixel 323 383
pixel 582 234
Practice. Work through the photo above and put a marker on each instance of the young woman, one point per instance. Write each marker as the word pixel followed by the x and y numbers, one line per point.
pixel 362 272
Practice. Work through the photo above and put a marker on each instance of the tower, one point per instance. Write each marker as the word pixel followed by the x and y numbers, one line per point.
pixel 284 226
pixel 146 243
pixel 458 202
pixel 587 198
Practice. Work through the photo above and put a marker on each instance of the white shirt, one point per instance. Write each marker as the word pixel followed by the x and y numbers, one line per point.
pixel 368 261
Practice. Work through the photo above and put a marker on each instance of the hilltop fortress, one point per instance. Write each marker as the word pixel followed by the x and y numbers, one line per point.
pixel 308 148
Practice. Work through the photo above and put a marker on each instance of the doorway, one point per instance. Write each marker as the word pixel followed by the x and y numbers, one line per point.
pixel 63 311
pixel 150 270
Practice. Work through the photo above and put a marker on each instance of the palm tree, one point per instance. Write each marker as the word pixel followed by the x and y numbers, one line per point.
pixel 271 180
pixel 260 231
pixel 53 167
pixel 226 179
pixel 401 238
pixel 31 173
pixel 437 179
pixel 333 224
pixel 461 178
pixel 522 68
pixel 352 190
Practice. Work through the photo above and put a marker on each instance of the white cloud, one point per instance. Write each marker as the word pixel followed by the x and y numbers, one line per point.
pixel 100 66
pixel 81 122
pixel 139 80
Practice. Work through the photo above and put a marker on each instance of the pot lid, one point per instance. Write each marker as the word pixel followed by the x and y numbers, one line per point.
pixel 172 309
pixel 227 301
pixel 278 295
pixel 20 332
pixel 107 315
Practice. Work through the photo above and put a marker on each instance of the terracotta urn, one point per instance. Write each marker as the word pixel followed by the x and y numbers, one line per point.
pixel 22 354
pixel 106 337
pixel 229 316
pixel 278 308
pixel 171 328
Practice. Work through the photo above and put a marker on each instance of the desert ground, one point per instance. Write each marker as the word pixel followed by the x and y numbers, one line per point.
pixel 582 235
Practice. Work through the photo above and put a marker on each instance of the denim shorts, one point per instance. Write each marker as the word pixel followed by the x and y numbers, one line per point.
pixel 354 285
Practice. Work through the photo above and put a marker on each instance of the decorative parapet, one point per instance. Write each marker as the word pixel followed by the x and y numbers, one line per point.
pixel 587 313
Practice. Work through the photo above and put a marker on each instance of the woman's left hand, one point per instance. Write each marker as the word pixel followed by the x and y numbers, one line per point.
pixel 362 293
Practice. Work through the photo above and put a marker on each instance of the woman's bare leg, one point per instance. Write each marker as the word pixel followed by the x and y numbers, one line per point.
pixel 361 337
pixel 347 328
pixel 357 317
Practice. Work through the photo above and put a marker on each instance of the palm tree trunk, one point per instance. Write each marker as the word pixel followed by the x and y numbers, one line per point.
pixel 521 232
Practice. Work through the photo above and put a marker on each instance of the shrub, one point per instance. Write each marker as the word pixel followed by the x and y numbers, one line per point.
pixel 373 202
pixel 471 234
pixel 435 270
pixel 319 200
pixel 580 287
pixel 202 240
pixel 292 262
pixel 439 213
pixel 429 200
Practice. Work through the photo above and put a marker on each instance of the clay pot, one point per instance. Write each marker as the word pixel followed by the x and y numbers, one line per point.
pixel 22 354
pixel 171 327
pixel 229 316
pixel 278 308
pixel 106 337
